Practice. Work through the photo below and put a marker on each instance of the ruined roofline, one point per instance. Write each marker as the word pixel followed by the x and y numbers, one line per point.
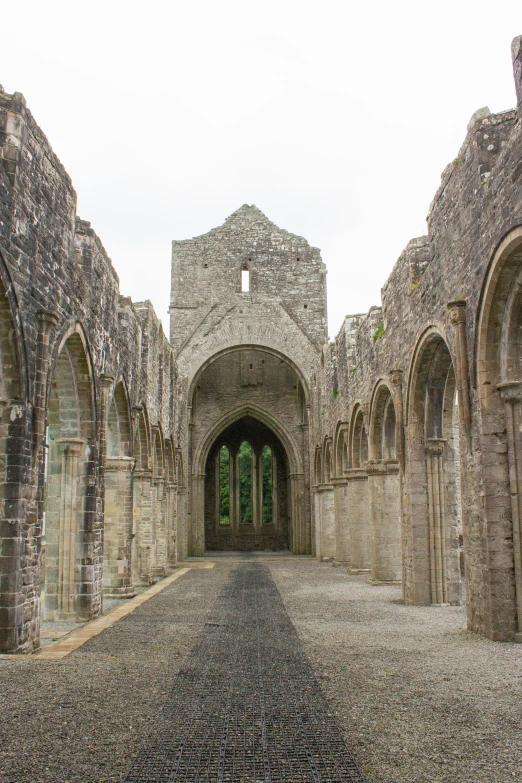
pixel 256 216
pixel 16 104
pixel 481 118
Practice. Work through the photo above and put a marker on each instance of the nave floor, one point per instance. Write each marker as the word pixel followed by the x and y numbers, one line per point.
pixel 268 668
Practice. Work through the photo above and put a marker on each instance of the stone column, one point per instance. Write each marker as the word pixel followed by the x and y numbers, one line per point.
pixel 106 383
pixel 117 540
pixel 181 523
pixel 142 527
pixel 358 520
pixel 342 530
pixel 47 322
pixel 325 522
pixel 172 525
pixel 385 523
pixel 63 588
pixel 458 319
pixel 436 520
pixel 307 498
pixel 197 529
pixel 160 525
pixel 396 379
pixel 299 546
pixel 511 393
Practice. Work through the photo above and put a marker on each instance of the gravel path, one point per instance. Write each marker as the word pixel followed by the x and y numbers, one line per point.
pixel 81 719
pixel 420 699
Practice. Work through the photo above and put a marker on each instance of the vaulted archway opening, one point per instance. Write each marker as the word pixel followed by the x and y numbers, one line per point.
pixel 246 489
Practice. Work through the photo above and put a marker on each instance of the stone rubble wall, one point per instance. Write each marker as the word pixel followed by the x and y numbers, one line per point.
pixel 53 263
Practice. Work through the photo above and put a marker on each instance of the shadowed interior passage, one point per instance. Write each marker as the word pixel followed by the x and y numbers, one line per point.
pixel 246 707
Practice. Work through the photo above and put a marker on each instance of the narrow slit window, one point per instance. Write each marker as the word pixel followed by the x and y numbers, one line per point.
pixel 268 485
pixel 224 486
pixel 246 505
pixel 245 280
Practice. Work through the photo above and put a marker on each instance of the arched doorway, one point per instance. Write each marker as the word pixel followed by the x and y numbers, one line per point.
pixel 251 401
pixel 384 489
pixel 246 495
pixel 495 530
pixel 70 498
pixel 435 525
pixel 117 536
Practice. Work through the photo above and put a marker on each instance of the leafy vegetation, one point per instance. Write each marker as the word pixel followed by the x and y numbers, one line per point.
pixel 379 332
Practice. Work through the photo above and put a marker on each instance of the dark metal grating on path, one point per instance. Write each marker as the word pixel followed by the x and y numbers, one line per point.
pixel 246 708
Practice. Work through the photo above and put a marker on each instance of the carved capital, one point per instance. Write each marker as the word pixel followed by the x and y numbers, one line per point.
pixel 379 467
pixel 355 474
pixel 510 391
pixel 119 463
pixel 48 319
pixel 435 446
pixel 457 312
pixel 396 377
pixel 106 382
pixel 71 446
pixel 135 413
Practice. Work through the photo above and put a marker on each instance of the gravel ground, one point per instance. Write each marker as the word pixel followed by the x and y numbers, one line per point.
pixel 420 699
pixel 82 719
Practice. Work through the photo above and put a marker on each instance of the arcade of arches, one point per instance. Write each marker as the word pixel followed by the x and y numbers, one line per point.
pixel 393 451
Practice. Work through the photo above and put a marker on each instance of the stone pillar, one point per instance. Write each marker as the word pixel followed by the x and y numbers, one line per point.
pixel 385 523
pixel 197 529
pixel 458 319
pixel 307 510
pixel 511 394
pixel 159 525
pixel 325 523
pixel 299 543
pixel 172 538
pixel 396 379
pixel 142 527
pixel 106 383
pixel 436 520
pixel 342 530
pixel 62 584
pixel 47 322
pixel 516 53
pixel 117 539
pixel 358 520
pixel 181 523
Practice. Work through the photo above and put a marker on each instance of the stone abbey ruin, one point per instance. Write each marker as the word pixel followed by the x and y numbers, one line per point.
pixel 395 450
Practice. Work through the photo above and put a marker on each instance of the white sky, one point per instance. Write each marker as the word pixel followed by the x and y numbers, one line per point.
pixel 334 118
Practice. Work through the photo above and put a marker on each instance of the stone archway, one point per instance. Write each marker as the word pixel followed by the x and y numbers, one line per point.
pixel 246 490
pixel 257 385
pixel 384 489
pixel 495 536
pixel 434 489
pixel 70 501
pixel 117 538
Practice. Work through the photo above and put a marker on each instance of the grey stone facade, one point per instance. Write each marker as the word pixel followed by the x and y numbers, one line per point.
pixel 395 450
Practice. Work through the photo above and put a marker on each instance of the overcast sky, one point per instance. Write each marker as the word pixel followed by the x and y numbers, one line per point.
pixel 334 118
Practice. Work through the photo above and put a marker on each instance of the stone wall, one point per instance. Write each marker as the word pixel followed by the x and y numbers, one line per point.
pixel 398 446
pixel 429 345
pixel 283 312
pixel 70 340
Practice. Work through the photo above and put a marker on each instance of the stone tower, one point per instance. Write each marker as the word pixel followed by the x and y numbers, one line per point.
pixel 248 320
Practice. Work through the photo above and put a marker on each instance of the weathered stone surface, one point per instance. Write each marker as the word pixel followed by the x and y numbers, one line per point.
pixel 396 449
